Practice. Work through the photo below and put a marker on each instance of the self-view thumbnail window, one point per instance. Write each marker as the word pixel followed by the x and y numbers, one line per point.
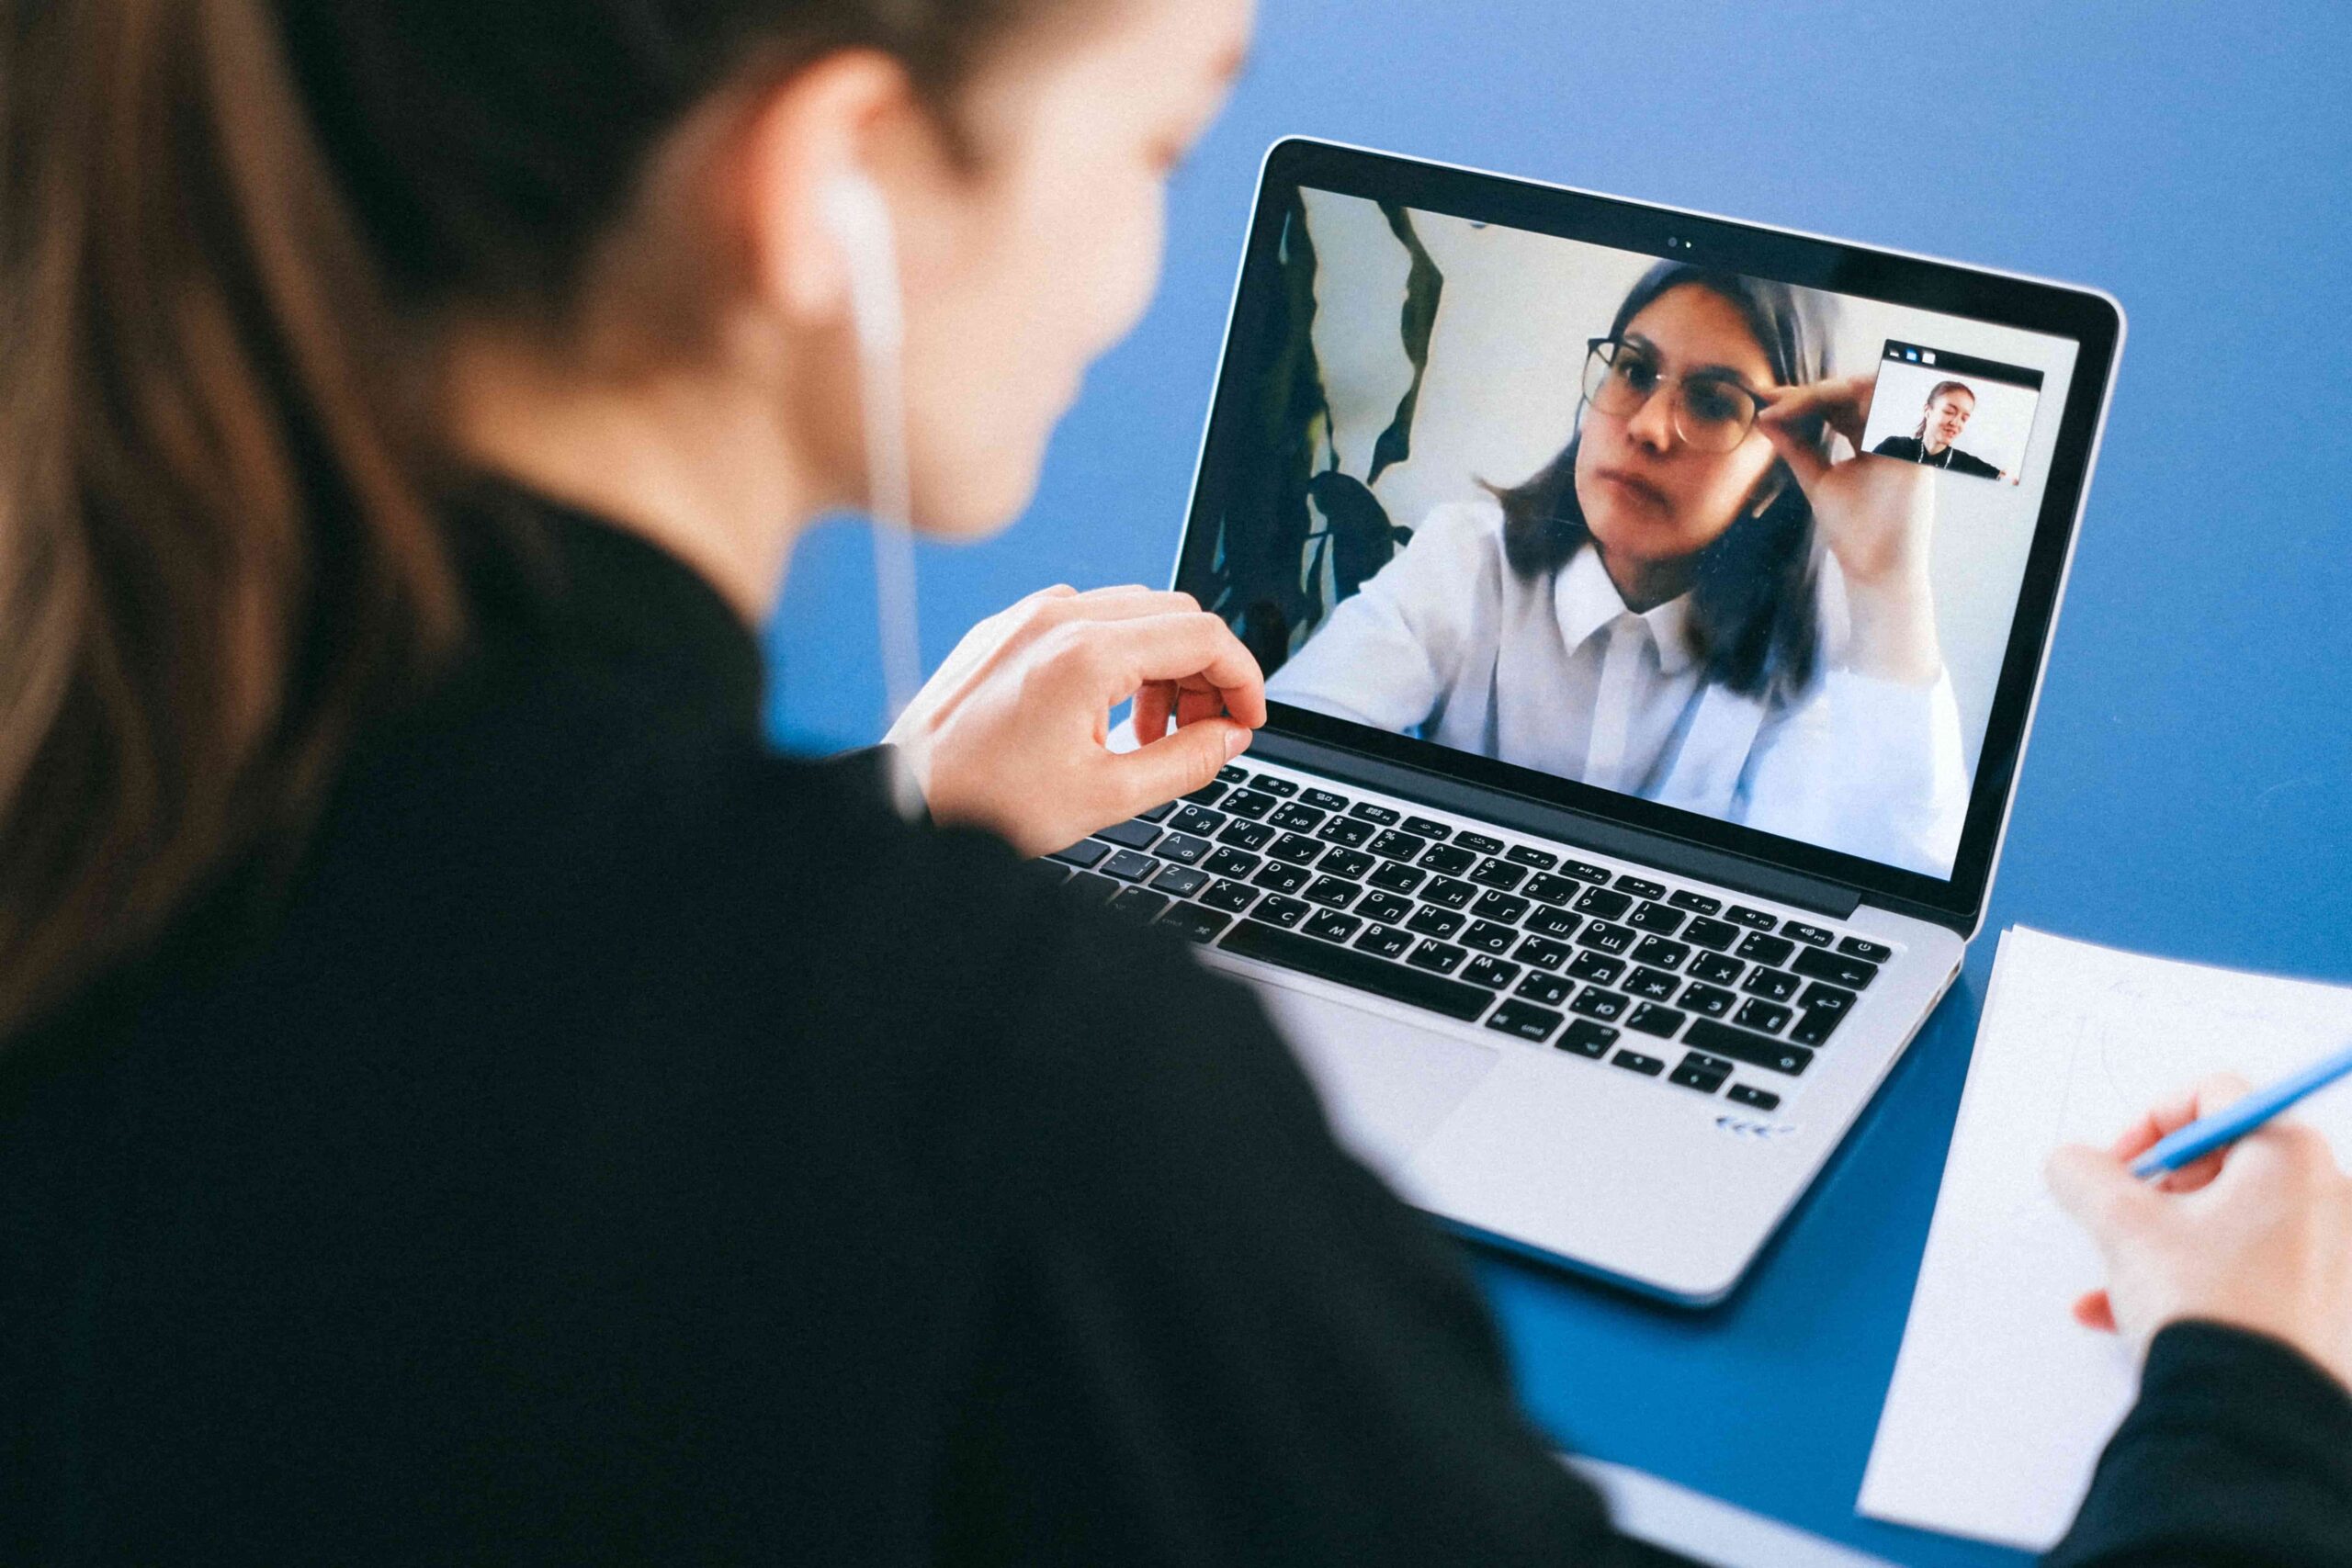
pixel 1952 411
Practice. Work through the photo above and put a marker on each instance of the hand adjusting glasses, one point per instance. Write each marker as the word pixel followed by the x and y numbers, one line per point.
pixel 1711 410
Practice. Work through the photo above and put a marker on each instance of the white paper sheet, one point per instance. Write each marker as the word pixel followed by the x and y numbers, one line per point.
pixel 2000 1404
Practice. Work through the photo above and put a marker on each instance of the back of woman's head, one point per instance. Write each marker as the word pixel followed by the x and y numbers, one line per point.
pixel 219 545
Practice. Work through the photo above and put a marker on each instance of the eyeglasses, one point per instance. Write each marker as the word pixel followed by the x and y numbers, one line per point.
pixel 1711 413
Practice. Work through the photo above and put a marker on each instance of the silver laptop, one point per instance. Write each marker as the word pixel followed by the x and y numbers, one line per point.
pixel 1654 606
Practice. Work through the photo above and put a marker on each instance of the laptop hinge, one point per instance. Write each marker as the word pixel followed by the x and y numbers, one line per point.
pixel 1576 829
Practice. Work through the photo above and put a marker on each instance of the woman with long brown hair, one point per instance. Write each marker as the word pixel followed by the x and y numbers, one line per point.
pixel 464 1099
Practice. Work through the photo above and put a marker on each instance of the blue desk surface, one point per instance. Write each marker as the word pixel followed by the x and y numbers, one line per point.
pixel 2189 787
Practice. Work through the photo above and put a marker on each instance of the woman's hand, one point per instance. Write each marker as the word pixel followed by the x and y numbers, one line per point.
pixel 2257 1236
pixel 1877 515
pixel 1013 733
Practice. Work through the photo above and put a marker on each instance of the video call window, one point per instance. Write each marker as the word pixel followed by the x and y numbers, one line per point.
pixel 1953 412
pixel 1523 497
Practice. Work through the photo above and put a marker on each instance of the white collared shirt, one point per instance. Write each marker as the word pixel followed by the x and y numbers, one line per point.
pixel 1556 673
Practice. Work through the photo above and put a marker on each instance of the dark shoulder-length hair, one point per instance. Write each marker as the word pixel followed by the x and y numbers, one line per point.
pixel 1753 623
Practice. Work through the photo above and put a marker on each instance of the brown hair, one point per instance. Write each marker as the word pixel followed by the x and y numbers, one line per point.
pixel 1936 396
pixel 220 546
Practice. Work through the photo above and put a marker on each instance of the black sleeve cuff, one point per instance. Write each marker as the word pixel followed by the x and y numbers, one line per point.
pixel 2238 1451
pixel 876 769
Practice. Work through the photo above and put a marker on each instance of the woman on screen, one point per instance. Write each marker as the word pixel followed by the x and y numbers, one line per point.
pixel 1691 603
pixel 1949 409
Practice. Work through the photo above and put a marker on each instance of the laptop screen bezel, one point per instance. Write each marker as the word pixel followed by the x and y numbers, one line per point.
pixel 2088 319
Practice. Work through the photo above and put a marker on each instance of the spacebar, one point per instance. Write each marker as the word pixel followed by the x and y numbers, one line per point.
pixel 1253 939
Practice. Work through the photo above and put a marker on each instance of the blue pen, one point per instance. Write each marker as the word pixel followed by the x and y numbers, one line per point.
pixel 2227 1126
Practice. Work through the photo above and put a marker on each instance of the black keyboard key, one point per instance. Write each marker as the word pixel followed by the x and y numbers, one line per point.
pixel 1549 990
pixel 1181 881
pixel 1547 922
pixel 1868 952
pixel 1139 903
pixel 1434 923
pixel 1656 985
pixel 1599 968
pixel 1854 974
pixel 1606 1006
pixel 1295 849
pixel 1766 949
pixel 1047 871
pixel 1386 940
pixel 1589 1039
pixel 1295 817
pixel 1717 970
pixel 1585 871
pixel 1209 793
pixel 1772 985
pixel 1349 966
pixel 1427 828
pixel 1230 863
pixel 1760 1099
pixel 1437 957
pixel 1699 1071
pixel 1332 926
pixel 1712 935
pixel 1252 804
pixel 1232 774
pixel 1526 1020
pixel 1640 887
pixel 1350 863
pixel 1478 843
pixel 1183 849
pixel 1491 973
pixel 1712 1001
pixel 1822 997
pixel 1657 919
pixel 1488 937
pixel 1398 878
pixel 1279 878
pixel 1333 892
pixel 1697 903
pixel 1542 860
pixel 1602 902
pixel 1398 846
pixel 1448 860
pixel 1652 1019
pixel 1085 855
pixel 1609 938
pixel 1769 1017
pixel 1195 923
pixel 1754 920
pixel 1230 896
pixel 1660 954
pixel 1815 1028
pixel 1635 1062
pixel 1449 894
pixel 1197 820
pixel 1346 831
pixel 1755 1050
pixel 1324 800
pixel 1090 888
pixel 1813 935
pixel 1500 906
pixel 1129 866
pixel 1378 816
pixel 1545 888
pixel 1247 834
pixel 1499 875
pixel 1158 813
pixel 1387 908
pixel 1276 910
pixel 1542 952
pixel 1274 785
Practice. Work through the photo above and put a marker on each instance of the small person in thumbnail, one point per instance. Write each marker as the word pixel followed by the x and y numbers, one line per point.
pixel 1949 409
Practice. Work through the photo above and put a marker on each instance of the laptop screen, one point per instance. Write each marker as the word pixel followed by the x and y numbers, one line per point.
pixel 1636 520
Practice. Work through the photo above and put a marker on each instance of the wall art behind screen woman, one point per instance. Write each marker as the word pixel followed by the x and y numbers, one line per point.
pixel 1332 413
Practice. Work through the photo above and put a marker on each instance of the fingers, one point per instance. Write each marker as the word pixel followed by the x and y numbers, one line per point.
pixel 1804 459
pixel 1116 658
pixel 1154 703
pixel 2098 1190
pixel 1164 769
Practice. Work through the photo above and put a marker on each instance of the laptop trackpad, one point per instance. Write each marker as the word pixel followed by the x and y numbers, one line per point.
pixel 1387 1085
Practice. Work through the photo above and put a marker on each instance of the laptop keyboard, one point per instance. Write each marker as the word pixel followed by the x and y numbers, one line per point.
pixel 1708 994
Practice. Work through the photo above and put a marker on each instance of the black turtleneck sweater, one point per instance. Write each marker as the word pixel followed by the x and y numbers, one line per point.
pixel 619 1143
